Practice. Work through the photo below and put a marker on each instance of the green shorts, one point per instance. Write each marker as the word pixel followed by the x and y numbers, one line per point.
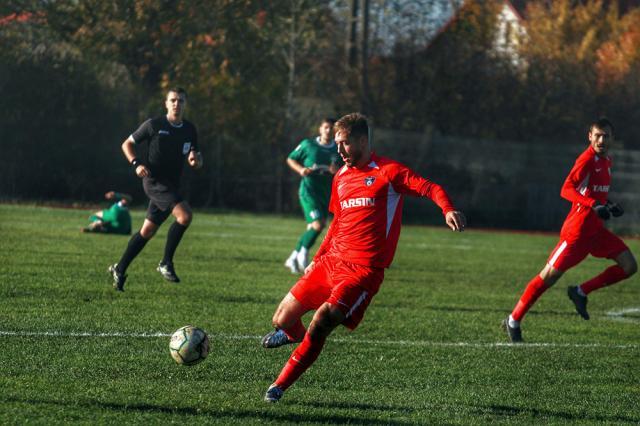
pixel 313 210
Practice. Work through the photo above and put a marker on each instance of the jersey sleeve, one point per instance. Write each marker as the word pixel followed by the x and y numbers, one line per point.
pixel 143 133
pixel 298 153
pixel 577 176
pixel 406 181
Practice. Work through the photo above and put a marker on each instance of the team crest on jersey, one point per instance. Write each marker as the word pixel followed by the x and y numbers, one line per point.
pixel 186 147
pixel 369 180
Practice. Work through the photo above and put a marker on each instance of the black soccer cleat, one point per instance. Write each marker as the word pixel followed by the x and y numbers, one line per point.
pixel 579 301
pixel 513 333
pixel 118 278
pixel 167 272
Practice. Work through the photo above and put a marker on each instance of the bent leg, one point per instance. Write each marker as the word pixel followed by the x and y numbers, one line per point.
pixel 183 214
pixel 625 267
pixel 324 321
pixel 288 318
pixel 535 288
pixel 136 244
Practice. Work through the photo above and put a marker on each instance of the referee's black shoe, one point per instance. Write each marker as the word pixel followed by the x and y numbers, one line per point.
pixel 118 278
pixel 167 272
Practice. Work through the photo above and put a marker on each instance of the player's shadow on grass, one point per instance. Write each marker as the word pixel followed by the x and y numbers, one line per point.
pixel 509 411
pixel 254 414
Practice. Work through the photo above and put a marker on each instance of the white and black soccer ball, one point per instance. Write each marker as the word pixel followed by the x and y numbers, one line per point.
pixel 189 345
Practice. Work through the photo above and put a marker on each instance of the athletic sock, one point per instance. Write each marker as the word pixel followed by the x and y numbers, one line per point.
pixel 135 246
pixel 534 290
pixel 309 238
pixel 609 276
pixel 305 354
pixel 303 257
pixel 176 231
pixel 292 256
pixel 296 332
pixel 513 323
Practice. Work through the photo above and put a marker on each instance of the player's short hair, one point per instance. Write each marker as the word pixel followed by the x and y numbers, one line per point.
pixel 601 123
pixel 354 124
pixel 176 89
pixel 328 120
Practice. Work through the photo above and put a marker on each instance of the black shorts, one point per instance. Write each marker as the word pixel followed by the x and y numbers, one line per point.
pixel 162 199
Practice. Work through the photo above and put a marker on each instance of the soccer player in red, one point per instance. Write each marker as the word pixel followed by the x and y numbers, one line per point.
pixel 346 272
pixel 583 232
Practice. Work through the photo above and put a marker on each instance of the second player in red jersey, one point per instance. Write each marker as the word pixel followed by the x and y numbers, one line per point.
pixel 583 232
pixel 347 271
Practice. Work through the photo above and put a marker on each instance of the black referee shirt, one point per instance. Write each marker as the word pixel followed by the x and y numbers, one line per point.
pixel 168 147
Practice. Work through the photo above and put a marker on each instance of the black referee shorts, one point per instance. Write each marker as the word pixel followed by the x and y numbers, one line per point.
pixel 162 199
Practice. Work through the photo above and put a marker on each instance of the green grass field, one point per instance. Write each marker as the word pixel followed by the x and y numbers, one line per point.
pixel 429 351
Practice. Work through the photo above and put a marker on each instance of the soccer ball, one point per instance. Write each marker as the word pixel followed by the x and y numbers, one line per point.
pixel 189 345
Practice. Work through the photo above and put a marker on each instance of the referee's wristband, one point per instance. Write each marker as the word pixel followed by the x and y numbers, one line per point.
pixel 135 163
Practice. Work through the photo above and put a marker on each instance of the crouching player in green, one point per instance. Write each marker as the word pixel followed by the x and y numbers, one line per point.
pixel 114 220
pixel 316 160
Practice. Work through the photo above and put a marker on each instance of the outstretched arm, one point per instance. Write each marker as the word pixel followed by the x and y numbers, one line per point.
pixel 409 182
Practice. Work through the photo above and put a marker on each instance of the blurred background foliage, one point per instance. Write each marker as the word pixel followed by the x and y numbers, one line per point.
pixel 77 77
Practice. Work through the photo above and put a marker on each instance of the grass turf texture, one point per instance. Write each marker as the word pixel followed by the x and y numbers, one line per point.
pixel 429 350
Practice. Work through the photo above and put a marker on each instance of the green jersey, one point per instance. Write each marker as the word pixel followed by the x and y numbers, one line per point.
pixel 117 219
pixel 318 157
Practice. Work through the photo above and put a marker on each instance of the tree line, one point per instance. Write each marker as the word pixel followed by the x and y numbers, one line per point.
pixel 77 77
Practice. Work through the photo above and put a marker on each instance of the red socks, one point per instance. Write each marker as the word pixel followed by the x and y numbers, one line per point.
pixel 611 275
pixel 296 332
pixel 534 290
pixel 301 359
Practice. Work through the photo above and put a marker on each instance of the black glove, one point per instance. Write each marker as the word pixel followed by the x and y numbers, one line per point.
pixel 602 211
pixel 615 209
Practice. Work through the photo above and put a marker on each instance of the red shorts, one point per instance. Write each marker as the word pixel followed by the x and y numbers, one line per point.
pixel 346 285
pixel 572 250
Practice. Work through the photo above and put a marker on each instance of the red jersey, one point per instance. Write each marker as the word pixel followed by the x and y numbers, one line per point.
pixel 587 183
pixel 367 207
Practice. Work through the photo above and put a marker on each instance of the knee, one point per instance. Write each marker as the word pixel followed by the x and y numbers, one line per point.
pixel 550 275
pixel 317 225
pixel 318 329
pixel 628 263
pixel 284 317
pixel 631 268
pixel 147 232
pixel 324 321
pixel 184 218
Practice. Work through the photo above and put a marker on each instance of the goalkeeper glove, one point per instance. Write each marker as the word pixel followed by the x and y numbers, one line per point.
pixel 602 211
pixel 615 209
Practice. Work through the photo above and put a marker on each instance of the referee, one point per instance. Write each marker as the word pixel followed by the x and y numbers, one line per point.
pixel 170 139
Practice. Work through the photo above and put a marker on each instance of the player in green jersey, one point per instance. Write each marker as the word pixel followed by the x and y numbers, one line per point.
pixel 316 160
pixel 114 220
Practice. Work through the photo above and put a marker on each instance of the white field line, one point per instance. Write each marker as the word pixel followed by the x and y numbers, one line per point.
pixel 622 315
pixel 410 343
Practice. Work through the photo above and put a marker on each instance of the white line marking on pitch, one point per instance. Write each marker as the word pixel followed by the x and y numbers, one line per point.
pixel 339 340
pixel 622 315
